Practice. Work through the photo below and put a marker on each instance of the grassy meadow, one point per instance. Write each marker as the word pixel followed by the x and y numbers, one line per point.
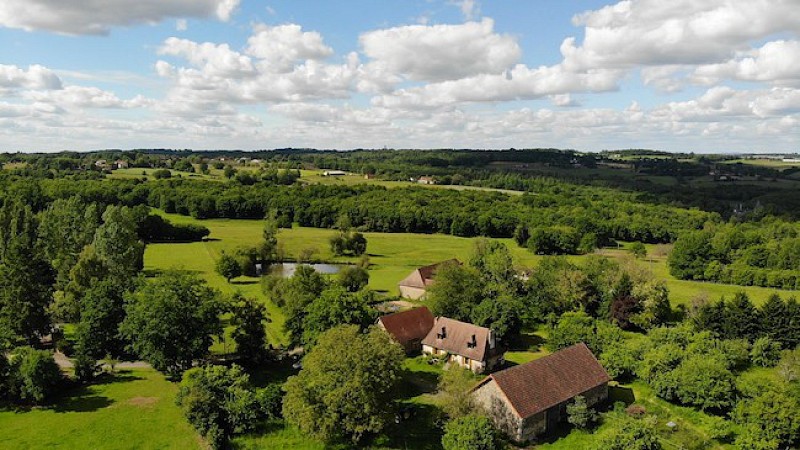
pixel 130 410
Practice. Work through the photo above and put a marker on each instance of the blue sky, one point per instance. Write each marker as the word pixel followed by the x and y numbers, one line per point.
pixel 711 76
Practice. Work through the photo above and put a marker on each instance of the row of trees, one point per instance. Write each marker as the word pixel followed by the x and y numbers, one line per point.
pixel 757 254
pixel 738 318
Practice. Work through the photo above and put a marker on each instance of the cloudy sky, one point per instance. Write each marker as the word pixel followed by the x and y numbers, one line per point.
pixel 681 75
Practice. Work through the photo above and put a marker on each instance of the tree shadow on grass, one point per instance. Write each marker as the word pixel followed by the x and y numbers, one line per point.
pixel 527 342
pixel 421 430
pixel 244 282
pixel 621 394
pixel 84 402
pixel 418 383
pixel 120 376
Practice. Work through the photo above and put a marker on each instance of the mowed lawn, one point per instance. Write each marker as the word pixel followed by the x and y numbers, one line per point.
pixel 133 410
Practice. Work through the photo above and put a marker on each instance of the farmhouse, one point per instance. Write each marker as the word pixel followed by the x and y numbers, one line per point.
pixel 529 400
pixel 417 282
pixel 408 327
pixel 334 173
pixel 465 344
pixel 426 180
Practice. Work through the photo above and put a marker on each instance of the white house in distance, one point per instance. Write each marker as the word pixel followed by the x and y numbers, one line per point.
pixel 470 346
pixel 334 173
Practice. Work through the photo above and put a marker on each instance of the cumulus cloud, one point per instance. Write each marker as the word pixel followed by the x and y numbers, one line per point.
pixel 280 64
pixel 282 46
pixel 35 77
pixel 99 16
pixel 216 60
pixel 519 83
pixel 654 32
pixel 440 52
pixel 776 61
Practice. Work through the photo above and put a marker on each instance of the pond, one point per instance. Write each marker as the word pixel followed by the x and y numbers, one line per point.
pixel 286 270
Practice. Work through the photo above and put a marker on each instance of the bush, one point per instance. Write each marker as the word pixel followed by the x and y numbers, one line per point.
pixel 631 434
pixel 33 375
pixel 765 352
pixel 219 402
pixel 270 401
pixel 353 278
pixel 85 367
pixel 161 174
pixel 580 415
pixel 472 432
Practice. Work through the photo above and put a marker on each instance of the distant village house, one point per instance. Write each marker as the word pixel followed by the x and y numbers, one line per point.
pixel 416 284
pixel 334 173
pixel 531 399
pixel 426 180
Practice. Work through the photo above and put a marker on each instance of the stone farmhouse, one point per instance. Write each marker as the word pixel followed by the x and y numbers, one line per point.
pixel 467 345
pixel 470 346
pixel 416 284
pixel 529 400
pixel 408 328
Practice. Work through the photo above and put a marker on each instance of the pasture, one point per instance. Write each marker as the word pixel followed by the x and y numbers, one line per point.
pixel 130 410
pixel 392 257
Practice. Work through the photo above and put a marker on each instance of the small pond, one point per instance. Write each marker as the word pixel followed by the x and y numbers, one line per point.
pixel 286 270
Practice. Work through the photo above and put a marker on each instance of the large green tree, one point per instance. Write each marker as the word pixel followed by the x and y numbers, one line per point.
pixel 171 321
pixel 26 278
pixel 219 402
pixel 345 390
pixel 249 318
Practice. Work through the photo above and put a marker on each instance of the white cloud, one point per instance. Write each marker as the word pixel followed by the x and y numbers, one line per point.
pixel 654 32
pixel 99 16
pixel 282 46
pixel 84 97
pixel 519 83
pixel 35 77
pixel 776 61
pixel 216 60
pixel 470 9
pixel 439 52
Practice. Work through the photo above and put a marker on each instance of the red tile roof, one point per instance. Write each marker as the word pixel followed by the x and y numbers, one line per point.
pixel 408 325
pixel 423 276
pixel 457 335
pixel 541 384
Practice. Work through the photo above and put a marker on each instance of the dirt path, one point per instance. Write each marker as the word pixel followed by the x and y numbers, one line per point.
pixel 65 363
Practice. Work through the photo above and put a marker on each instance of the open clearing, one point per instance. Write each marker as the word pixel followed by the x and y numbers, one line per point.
pixel 132 410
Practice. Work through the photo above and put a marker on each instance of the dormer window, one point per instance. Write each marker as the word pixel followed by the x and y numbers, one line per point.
pixel 442 334
pixel 472 343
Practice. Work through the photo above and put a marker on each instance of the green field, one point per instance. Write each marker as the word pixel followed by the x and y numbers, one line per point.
pixel 393 256
pixel 133 410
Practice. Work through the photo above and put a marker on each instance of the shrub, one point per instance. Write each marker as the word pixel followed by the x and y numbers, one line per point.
pixel 472 432
pixel 33 375
pixel 765 352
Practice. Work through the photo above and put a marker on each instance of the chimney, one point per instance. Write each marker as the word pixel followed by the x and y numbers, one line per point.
pixel 491 339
